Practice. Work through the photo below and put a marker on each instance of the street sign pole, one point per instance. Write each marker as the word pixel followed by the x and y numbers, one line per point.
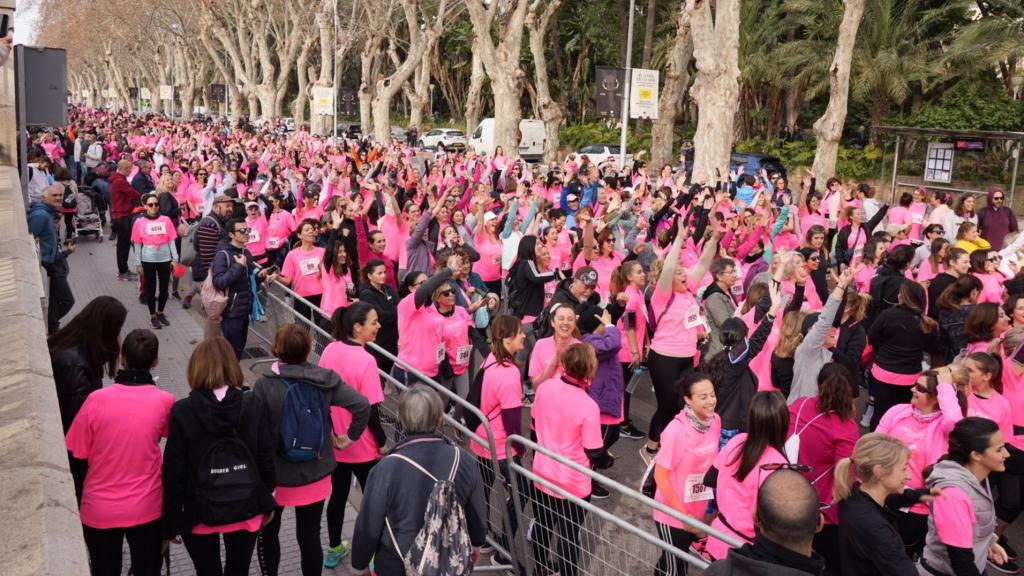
pixel 625 93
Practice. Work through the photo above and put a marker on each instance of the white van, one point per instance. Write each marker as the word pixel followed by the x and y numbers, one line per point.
pixel 531 142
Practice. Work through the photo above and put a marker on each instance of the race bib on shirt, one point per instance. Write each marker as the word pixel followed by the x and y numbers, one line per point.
pixel 440 352
pixel 273 243
pixel 309 266
pixel 156 228
pixel 696 491
pixel 737 289
pixel 858 252
pixel 917 218
pixel 254 235
pixel 462 354
pixel 692 318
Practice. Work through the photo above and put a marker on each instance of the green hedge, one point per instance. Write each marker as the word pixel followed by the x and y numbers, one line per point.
pixel 852 162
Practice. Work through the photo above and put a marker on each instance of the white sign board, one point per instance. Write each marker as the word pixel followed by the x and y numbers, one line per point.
pixel 166 92
pixel 938 165
pixel 146 95
pixel 323 100
pixel 643 94
pixel 85 93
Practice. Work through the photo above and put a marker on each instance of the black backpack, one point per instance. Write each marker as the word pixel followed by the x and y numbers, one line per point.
pixel 228 481
pixel 70 200
pixel 473 397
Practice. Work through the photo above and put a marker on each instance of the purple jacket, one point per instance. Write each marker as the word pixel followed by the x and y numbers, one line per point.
pixel 607 387
pixel 994 222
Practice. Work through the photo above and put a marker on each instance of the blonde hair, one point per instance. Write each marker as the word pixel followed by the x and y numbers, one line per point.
pixel 1010 340
pixel 792 334
pixel 165 184
pixel 873 449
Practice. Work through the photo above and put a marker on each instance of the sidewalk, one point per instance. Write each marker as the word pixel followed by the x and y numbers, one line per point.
pixel 94 273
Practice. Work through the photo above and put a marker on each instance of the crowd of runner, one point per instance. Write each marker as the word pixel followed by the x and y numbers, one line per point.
pixel 759 311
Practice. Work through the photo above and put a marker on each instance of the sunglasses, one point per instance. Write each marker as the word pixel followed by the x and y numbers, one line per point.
pixel 921 389
pixel 997 197
pixel 814 259
pixel 801 468
pixel 243 230
pixel 995 258
pixel 447 292
pixel 152 204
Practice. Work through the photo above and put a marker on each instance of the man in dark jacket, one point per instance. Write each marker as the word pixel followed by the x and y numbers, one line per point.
pixel 231 268
pixel 207 238
pixel 996 220
pixel 142 181
pixel 42 223
pixel 123 200
pixel 398 491
pixel 787 518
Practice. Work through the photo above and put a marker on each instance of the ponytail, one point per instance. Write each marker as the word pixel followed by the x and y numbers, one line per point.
pixel 873 449
pixel 843 485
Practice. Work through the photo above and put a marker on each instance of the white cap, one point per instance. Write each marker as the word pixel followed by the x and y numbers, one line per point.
pixel 488 216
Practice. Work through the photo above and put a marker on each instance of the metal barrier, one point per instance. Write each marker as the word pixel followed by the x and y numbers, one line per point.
pixel 279 312
pixel 605 543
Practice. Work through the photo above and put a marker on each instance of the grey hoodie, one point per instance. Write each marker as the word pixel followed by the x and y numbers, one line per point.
pixel 946 474
pixel 271 389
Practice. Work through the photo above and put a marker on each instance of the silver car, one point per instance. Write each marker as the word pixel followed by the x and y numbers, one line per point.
pixel 448 137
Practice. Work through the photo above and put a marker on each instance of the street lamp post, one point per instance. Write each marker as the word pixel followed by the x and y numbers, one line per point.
pixel 625 93
pixel 334 75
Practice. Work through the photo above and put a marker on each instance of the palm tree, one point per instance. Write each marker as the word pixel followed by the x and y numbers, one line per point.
pixel 995 37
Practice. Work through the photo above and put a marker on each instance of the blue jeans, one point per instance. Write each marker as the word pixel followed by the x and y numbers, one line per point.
pixel 236 331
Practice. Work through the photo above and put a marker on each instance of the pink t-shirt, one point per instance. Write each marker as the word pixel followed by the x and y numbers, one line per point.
pixel 118 430
pixel 455 329
pixel 251 525
pixel 1013 391
pixel 305 494
pixel 396 235
pixel 737 499
pixel 808 219
pixel 543 351
pixel 687 454
pixel 567 422
pixel 676 334
pixel 335 288
pixel 898 215
pixel 914 434
pixel 257 244
pixel 304 269
pixel 917 210
pixel 489 265
pixel 153 232
pixel 420 335
pixel 991 287
pixel 634 305
pixel 279 226
pixel 925 271
pixel 954 518
pixel 996 408
pixel 358 369
pixel 863 278
pixel 501 389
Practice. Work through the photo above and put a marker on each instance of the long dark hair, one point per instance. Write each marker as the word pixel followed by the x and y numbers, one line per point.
pixel 96 331
pixel 767 425
pixel 972 434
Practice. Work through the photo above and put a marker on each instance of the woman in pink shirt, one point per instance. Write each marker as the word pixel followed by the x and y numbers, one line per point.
pixel 118 431
pixel 302 271
pixel 420 326
pixel 567 422
pixel 985 265
pixel 627 285
pixel 336 277
pixel 257 223
pixel 924 424
pixel 153 236
pixel 984 324
pixel 354 327
pixel 740 467
pixel 828 433
pixel 932 265
pixel 874 252
pixel 603 257
pixel 488 244
pixel 280 225
pixel 217 407
pixel 689 445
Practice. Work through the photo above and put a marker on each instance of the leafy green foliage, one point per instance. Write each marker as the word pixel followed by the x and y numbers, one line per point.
pixel 852 162
pixel 968 107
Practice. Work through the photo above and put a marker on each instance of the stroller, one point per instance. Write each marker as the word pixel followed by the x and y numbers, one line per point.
pixel 87 221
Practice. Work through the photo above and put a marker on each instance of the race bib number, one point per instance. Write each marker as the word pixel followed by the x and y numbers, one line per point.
pixel 462 354
pixel 440 352
pixel 692 319
pixel 254 235
pixel 917 218
pixel 156 228
pixel 696 491
pixel 273 243
pixel 737 289
pixel 309 266
pixel 858 252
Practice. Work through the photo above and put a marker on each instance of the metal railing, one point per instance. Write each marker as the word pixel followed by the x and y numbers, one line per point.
pixel 599 542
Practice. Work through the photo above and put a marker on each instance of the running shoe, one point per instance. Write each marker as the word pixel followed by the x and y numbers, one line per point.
pixel 186 302
pixel 155 322
pixel 336 553
pixel 1010 552
pixel 627 430
pixel 599 492
pixel 699 549
pixel 163 319
pixel 646 454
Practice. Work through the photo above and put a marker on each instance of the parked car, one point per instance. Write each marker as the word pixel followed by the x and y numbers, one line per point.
pixel 449 137
pixel 350 130
pixel 601 153
pixel 531 139
pixel 752 163
pixel 397 133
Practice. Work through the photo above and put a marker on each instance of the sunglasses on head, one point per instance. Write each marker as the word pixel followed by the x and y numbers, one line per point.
pixel 801 468
pixel 921 389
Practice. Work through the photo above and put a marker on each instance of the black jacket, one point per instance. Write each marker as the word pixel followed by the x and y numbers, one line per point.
pixel 527 288
pixel 75 380
pixel 229 275
pixel 884 291
pixel 936 287
pixel 844 254
pixel 765 558
pixel 170 207
pixel 143 183
pixel 399 492
pixel 736 384
pixel 869 539
pixel 196 422
pixel 385 302
pixel 899 342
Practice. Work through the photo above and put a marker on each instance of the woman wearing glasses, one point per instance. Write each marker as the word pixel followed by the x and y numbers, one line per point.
pixel 153 235
pixel 936 405
pixel 985 265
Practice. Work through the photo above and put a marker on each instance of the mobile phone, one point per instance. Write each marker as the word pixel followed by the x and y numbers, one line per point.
pixel 272 270
pixel 1018 354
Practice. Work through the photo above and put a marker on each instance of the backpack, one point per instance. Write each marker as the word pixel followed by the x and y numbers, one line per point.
pixel 188 242
pixel 442 546
pixel 542 327
pixel 70 200
pixel 514 298
pixel 303 422
pixel 214 301
pixel 227 482
pixel 474 397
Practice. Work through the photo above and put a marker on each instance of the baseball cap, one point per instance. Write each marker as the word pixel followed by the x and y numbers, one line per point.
pixel 571 198
pixel 587 275
pixel 488 216
pixel 251 205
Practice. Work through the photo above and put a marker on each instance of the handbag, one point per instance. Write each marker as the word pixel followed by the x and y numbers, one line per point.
pixel 214 301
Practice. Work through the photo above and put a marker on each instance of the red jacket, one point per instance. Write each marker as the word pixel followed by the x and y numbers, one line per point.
pixel 123 196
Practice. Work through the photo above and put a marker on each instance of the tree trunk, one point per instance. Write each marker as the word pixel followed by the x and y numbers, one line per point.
pixel 318 122
pixel 677 76
pixel 474 98
pixel 652 9
pixel 550 110
pixel 794 99
pixel 716 90
pixel 829 128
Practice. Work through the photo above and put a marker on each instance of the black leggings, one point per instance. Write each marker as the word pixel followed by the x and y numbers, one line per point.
pixel 565 519
pixel 669 564
pixel 303 310
pixel 913 528
pixel 152 271
pixel 627 375
pixel 665 372
pixel 307 534
pixel 886 396
pixel 204 549
pixel 105 547
pixel 1009 493
pixel 341 484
